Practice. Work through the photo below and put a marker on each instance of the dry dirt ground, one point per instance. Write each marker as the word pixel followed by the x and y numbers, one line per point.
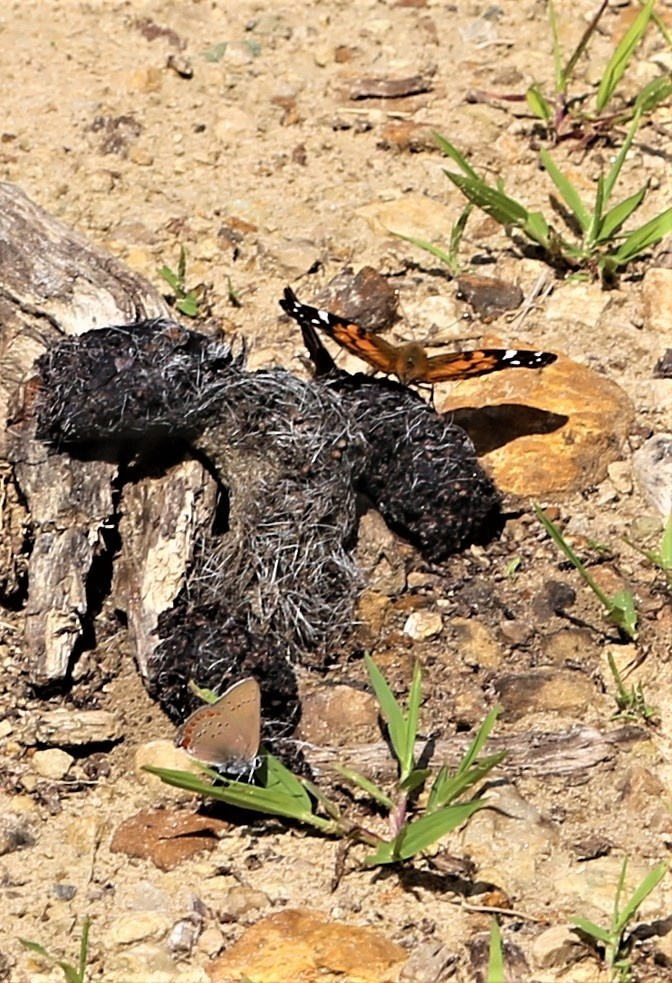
pixel 230 129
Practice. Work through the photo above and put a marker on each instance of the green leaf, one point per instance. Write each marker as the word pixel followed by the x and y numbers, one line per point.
pixel 36 947
pixel 495 203
pixel 590 928
pixel 412 722
pixel 366 784
pixel 666 545
pixel 537 229
pixel 454 154
pixel 414 780
pixel 650 882
pixel 567 190
pixel 448 787
pixel 496 955
pixel 620 59
pixel 538 104
pixel 421 833
pixel 427 246
pixel 281 798
pixel 641 239
pixel 84 948
pixel 596 219
pixel 623 613
pixel 390 709
pixel 171 278
pixel 619 214
pixel 657 91
pixel 188 305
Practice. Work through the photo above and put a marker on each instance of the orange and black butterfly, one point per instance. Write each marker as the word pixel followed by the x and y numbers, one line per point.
pixel 410 363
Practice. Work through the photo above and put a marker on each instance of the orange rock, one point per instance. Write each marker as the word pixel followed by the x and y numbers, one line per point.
pixel 553 430
pixel 301 946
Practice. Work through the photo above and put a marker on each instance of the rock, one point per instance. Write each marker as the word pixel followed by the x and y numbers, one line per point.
pixel 476 646
pixel 167 837
pixel 423 624
pixel 241 899
pixel 577 303
pixel 555 430
pixel 431 962
pixel 19 819
pixel 569 646
pixel 53 763
pixel 412 215
pixel 365 298
pixel 162 753
pixel 436 320
pixel 338 715
pixel 652 470
pixel 561 690
pixel 296 257
pixel 308 947
pixel 620 475
pixel 558 947
pixel 138 927
pixel 146 963
pixel 657 298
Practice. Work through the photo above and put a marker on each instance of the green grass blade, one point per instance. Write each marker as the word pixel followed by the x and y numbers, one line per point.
pixel 666 545
pixel 418 835
pixel 167 274
pixel 448 787
pixel 450 151
pixel 412 722
pixel 390 709
pixel 567 190
pixel 538 104
pixel 366 785
pixel 657 91
pixel 593 230
pixel 36 947
pixel 615 169
pixel 503 209
pixel 559 75
pixel 623 613
pixel 565 548
pixel 620 59
pixel 429 247
pixel 590 928
pixel 273 801
pixel 641 239
pixel 84 948
pixel 619 214
pixel 496 955
pixel 650 882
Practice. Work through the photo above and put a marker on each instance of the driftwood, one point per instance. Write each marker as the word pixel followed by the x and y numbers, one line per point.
pixel 54 283
pixel 565 753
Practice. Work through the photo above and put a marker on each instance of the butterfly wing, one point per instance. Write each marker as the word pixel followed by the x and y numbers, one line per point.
pixel 228 731
pixel 355 339
pixel 465 365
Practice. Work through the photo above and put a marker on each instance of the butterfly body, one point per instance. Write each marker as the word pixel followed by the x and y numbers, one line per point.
pixel 410 363
pixel 226 734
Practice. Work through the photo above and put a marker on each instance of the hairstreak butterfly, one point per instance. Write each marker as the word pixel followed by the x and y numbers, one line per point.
pixel 226 733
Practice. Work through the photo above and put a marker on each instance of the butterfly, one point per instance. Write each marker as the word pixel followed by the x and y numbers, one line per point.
pixel 226 734
pixel 410 363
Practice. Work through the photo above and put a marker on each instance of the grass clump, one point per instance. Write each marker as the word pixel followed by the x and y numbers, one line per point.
pixel 73 974
pixel 412 828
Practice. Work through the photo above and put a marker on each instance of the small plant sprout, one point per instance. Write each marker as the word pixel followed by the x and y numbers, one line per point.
pixel 615 941
pixel 602 246
pixel 496 955
pixel 186 301
pixel 662 557
pixel 566 117
pixel 451 257
pixel 411 829
pixel 619 608
pixel 630 702
pixel 73 974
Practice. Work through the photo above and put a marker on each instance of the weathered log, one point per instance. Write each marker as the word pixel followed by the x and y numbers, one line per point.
pixel 565 753
pixel 54 283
